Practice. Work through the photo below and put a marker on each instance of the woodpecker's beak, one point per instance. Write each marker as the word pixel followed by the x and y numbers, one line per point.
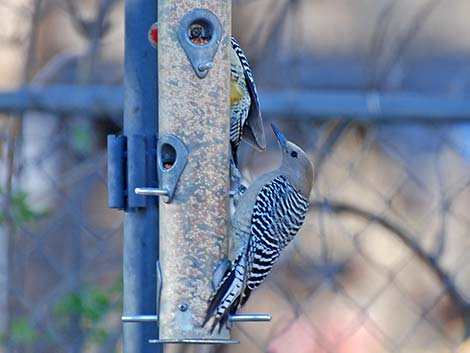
pixel 280 137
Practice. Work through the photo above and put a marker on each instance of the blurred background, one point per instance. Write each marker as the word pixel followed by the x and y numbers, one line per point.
pixel 376 91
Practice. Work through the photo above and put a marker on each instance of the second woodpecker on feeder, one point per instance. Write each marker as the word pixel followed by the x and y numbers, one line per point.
pixel 246 122
pixel 268 216
pixel 245 115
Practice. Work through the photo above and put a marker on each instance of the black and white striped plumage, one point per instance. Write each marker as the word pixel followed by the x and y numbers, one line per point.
pixel 278 214
pixel 245 122
pixel 268 216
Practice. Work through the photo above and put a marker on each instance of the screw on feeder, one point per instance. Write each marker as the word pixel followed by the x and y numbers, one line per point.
pixel 206 66
pixel 183 307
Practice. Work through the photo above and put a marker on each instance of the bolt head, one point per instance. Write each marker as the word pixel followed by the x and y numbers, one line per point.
pixel 183 307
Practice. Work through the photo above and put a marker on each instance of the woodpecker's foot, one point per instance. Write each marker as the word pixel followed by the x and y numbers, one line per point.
pixel 236 197
pixel 235 175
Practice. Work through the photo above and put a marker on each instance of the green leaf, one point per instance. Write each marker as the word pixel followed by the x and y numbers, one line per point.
pixel 82 139
pixel 96 303
pixel 21 210
pixel 70 304
pixel 23 331
pixel 92 304
pixel 99 335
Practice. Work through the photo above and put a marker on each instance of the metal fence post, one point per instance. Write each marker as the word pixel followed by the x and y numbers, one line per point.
pixel 140 223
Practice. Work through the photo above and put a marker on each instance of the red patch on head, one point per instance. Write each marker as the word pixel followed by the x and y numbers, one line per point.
pixel 153 35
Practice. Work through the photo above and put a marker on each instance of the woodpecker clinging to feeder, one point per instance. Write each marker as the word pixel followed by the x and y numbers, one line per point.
pixel 246 121
pixel 269 214
pixel 245 116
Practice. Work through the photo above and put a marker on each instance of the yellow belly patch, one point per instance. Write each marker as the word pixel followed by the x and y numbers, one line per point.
pixel 236 93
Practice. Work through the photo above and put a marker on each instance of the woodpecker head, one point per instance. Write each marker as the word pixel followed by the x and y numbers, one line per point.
pixel 295 165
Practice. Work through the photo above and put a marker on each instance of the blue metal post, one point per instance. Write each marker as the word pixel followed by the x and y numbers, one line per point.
pixel 141 221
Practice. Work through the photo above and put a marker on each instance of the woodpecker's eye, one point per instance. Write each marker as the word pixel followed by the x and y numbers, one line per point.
pixel 294 154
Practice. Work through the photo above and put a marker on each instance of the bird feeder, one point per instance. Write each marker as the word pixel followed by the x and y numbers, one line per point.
pixel 192 166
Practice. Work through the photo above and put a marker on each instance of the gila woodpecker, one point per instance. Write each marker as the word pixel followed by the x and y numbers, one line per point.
pixel 268 216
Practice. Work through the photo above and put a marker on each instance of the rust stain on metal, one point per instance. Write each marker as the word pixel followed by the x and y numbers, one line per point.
pixel 194 226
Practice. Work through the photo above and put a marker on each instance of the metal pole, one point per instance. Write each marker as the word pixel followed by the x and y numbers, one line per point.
pixel 140 127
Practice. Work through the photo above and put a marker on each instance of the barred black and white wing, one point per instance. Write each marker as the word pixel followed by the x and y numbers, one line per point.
pixel 247 123
pixel 279 212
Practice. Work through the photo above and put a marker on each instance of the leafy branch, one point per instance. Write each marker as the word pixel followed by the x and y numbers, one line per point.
pixel 20 210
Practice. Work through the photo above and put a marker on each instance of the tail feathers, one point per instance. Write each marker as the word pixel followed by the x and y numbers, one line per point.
pixel 253 132
pixel 216 298
pixel 225 299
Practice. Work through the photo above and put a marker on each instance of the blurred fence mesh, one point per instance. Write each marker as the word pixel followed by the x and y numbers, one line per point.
pixel 381 264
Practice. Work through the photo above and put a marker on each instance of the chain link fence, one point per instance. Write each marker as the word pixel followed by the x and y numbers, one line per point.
pixel 381 264
pixel 61 261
